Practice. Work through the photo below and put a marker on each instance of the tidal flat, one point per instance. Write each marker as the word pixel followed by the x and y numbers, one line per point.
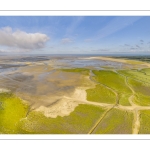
pixel 74 94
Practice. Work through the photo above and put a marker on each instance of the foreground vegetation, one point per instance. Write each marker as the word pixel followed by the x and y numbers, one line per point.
pixel 116 83
pixel 115 122
pixel 101 94
pixel 14 118
pixel 83 71
pixel 136 75
pixel 140 82
pixel 145 122
pixel 78 122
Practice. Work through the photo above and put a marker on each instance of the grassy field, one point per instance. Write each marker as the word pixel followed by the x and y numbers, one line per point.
pixel 112 80
pixel 115 122
pixel 138 75
pixel 101 94
pixel 124 99
pixel 145 122
pixel 146 71
pixel 12 109
pixel 134 62
pixel 80 121
pixel 137 58
pixel 115 82
pixel 142 91
pixel 83 71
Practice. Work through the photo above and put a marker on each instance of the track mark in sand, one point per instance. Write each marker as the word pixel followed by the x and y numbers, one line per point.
pixel 99 120
pixel 133 92
pixel 128 85
pixel 90 103
pixel 136 112
pixel 136 125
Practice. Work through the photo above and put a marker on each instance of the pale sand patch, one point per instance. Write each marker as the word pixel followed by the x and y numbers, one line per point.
pixel 120 60
pixel 79 94
pixel 4 90
pixel 62 108
pixel 109 59
pixel 67 105
pixel 147 64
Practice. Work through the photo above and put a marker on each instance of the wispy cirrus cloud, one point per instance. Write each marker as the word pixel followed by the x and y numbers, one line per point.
pixel 75 23
pixel 66 40
pixel 22 40
pixel 117 24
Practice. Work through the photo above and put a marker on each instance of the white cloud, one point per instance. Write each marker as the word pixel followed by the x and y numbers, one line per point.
pixel 21 39
pixel 66 40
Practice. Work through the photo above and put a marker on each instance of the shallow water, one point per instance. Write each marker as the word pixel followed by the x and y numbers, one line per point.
pixel 85 63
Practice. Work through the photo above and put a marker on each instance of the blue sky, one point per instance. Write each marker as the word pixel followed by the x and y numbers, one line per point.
pixel 75 34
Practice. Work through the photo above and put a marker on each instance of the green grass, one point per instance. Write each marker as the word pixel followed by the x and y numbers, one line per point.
pixel 80 121
pixel 146 71
pixel 142 92
pixel 83 71
pixel 12 109
pixel 107 67
pixel 134 62
pixel 112 79
pixel 101 94
pixel 138 75
pixel 115 82
pixel 123 99
pixel 115 122
pixel 145 122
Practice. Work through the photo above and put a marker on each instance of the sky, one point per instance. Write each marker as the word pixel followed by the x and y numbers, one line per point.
pixel 75 35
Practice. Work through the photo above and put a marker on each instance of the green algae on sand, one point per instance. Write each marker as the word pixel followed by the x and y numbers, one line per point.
pixel 12 110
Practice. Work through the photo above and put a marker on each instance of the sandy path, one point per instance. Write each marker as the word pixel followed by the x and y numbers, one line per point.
pixel 99 120
pixel 89 102
pixel 136 122
pixel 136 112
pixel 131 98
